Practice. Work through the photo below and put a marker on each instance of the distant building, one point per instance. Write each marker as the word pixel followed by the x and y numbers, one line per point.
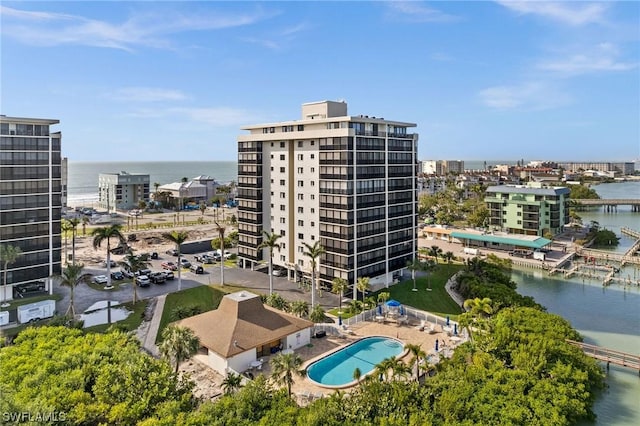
pixel 441 167
pixel 528 210
pixel 348 182
pixel 30 199
pixel 200 189
pixel 122 191
pixel 624 168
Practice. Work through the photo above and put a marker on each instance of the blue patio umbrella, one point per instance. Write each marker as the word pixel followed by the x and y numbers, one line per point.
pixel 447 319
pixel 455 329
pixel 436 345
pixel 393 303
pixel 379 309
pixel 339 319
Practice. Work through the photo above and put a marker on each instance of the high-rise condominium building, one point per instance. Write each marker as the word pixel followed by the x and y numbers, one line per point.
pixel 347 182
pixel 30 198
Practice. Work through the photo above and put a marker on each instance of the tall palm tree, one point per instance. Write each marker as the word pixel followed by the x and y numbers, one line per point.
pixel 179 344
pixel 71 276
pixel 270 241
pixel 317 314
pixel 417 355
pixel 156 185
pixel 221 230
pixel 231 383
pixel 203 208
pixel 448 257
pixel 74 230
pixel 357 375
pixel 435 251
pixel 476 310
pixel 134 263
pixel 283 367
pixel 177 237
pixel 8 255
pixel 85 221
pixel 106 233
pixel 313 252
pixel 363 286
pixel 414 266
pixel 339 285
pixel 300 308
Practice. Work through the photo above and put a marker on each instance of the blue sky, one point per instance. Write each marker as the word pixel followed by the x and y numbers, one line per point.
pixel 137 81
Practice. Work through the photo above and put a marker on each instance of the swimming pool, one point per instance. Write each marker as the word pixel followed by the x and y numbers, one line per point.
pixel 336 369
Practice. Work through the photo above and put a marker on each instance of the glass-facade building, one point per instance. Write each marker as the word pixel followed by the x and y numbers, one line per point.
pixel 31 191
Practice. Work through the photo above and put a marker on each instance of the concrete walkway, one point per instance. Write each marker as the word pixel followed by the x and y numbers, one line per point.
pixel 149 343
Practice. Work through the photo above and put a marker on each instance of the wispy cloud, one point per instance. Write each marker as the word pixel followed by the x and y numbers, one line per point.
pixel 603 57
pixel 530 96
pixel 416 11
pixel 212 116
pixel 278 40
pixel 143 29
pixel 572 13
pixel 146 94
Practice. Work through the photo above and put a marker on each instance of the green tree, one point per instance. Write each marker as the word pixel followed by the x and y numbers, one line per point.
pixel 105 234
pixel 414 266
pixel 357 375
pixel 338 286
pixel 177 237
pixel 270 242
pixel 300 308
pixel 435 251
pixel 476 311
pixel 85 221
pixel 221 230
pixel 65 227
pixel 178 344
pixel 383 296
pixel 605 238
pixel 417 355
pixel 203 208
pixel 74 222
pixel 275 300
pixel 448 257
pixel 72 276
pixel 134 263
pixel 231 383
pixel 363 286
pixel 283 368
pixel 317 314
pixel 313 252
pixel 8 255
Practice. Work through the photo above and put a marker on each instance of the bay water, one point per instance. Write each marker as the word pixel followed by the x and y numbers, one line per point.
pixel 607 316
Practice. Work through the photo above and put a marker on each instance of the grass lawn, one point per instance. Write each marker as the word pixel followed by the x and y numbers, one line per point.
pixel 436 301
pixel 207 298
pixel 131 323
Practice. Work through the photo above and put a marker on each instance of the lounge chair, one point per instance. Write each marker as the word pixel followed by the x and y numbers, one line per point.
pixel 305 395
pixel 318 395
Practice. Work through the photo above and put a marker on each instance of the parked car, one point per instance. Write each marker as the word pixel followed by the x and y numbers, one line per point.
pixel 197 269
pixel 169 265
pixel 100 279
pixel 113 263
pixel 185 263
pixel 145 271
pixel 168 275
pixel 30 287
pixel 157 277
pixel 172 252
pixel 117 275
pixel 127 273
pixel 279 272
pixel 204 258
pixel 143 281
pixel 227 254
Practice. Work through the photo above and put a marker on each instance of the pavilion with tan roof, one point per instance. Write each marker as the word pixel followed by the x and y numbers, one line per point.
pixel 242 330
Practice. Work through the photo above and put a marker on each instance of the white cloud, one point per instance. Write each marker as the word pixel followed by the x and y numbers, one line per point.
pixel 151 29
pixel 531 96
pixel 415 11
pixel 572 13
pixel 600 58
pixel 219 116
pixel 279 39
pixel 146 94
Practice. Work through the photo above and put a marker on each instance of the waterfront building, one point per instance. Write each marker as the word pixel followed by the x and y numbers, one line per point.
pixel 441 167
pixel 529 210
pixel 347 182
pixel 624 168
pixel 200 189
pixel 30 198
pixel 122 191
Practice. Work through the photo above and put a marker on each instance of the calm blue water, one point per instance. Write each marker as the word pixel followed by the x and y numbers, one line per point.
pixel 337 369
pixel 83 176
pixel 605 316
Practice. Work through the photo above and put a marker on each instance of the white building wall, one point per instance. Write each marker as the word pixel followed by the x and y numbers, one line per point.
pixel 299 339
pixel 241 361
pixel 217 362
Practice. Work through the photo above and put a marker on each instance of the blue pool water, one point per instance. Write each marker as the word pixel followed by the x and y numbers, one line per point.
pixel 337 369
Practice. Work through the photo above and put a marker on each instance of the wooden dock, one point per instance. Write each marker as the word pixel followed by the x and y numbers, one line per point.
pixel 609 356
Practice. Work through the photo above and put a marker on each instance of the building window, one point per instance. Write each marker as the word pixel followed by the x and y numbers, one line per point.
pixel 300 184
pixel 312 155
pixel 313 183
pixel 313 224
pixel 272 156
pixel 313 237
pixel 300 222
pixel 313 197
pixel 300 249
pixel 271 168
pixel 301 236
pixel 283 246
pixel 312 144
pixel 300 157
pixel 281 207
pixel 282 220
pixel 300 209
pixel 272 130
pixel 313 210
pixel 282 157
pixel 272 193
pixel 300 170
pixel 271 143
pixel 281 144
pixel 271 207
pixel 272 182
pixel 282 195
pixel 300 127
pixel 282 232
pixel 282 258
pixel 300 262
pixel 282 182
pixel 299 144
pixel 282 170
pixel 300 197
pixel 313 170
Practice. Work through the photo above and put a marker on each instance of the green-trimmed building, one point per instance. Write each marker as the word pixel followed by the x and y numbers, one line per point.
pixel 528 210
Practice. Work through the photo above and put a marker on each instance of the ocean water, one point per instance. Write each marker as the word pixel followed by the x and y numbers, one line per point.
pixel 83 176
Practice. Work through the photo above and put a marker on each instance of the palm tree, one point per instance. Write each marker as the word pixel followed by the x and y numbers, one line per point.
pixel 179 344
pixel 313 252
pixel 429 266
pixel 74 228
pixel 385 366
pixel 8 255
pixel 383 296
pixel 65 227
pixel 71 277
pixel 476 310
pixel 221 230
pixel 177 237
pixel 435 251
pixel 106 233
pixel 363 286
pixel 418 355
pixel 156 185
pixel 203 208
pixel 317 314
pixel 231 383
pixel 134 263
pixel 283 367
pixel 300 308
pixel 85 220
pixel 339 285
pixel 270 241
pixel 448 257
pixel 357 375
pixel 414 266
pixel 355 306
